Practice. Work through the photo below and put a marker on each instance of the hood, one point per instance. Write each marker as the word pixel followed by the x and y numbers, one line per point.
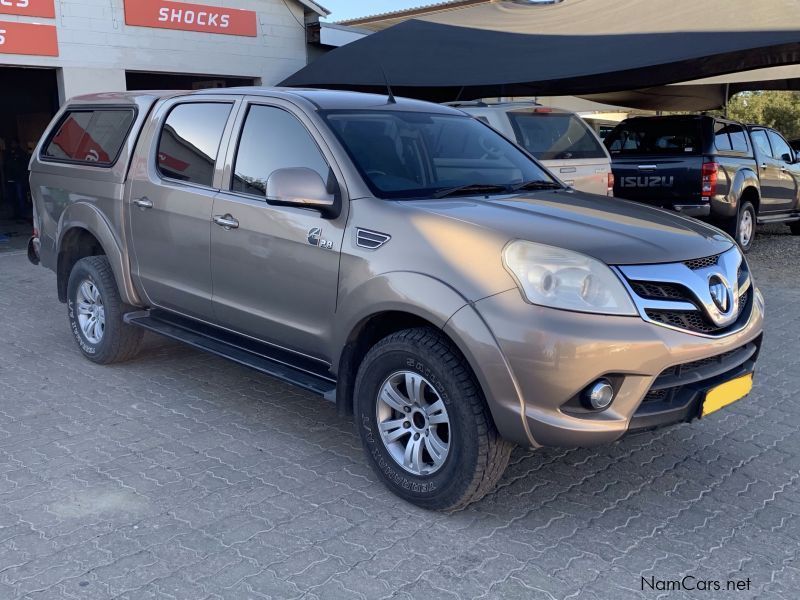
pixel 617 232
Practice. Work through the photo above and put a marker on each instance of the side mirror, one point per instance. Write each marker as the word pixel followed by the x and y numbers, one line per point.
pixel 788 158
pixel 301 187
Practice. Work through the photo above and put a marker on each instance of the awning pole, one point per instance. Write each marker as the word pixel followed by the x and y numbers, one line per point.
pixel 727 92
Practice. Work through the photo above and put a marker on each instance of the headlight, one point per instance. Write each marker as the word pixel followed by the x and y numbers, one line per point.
pixel 558 278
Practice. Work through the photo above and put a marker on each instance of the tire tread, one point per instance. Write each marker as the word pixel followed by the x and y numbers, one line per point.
pixel 125 344
pixel 493 450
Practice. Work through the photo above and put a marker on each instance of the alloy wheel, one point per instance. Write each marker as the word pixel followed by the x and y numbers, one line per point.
pixel 413 423
pixel 746 228
pixel 90 311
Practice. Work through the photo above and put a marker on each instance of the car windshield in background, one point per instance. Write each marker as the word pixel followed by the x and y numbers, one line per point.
pixel 555 136
pixel 656 136
pixel 404 154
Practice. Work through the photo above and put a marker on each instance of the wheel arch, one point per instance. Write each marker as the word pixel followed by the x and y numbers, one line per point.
pixel 440 307
pixel 746 186
pixel 378 307
pixel 752 195
pixel 84 231
pixel 365 334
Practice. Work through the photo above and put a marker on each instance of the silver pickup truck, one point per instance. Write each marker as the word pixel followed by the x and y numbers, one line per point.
pixel 456 302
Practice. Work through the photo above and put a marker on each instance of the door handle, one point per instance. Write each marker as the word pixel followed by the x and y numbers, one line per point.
pixel 143 202
pixel 226 221
pixel 763 165
pixel 783 168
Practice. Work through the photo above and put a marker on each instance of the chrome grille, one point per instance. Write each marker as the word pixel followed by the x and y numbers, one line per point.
pixel 647 289
pixel 678 295
pixel 693 320
pixel 702 263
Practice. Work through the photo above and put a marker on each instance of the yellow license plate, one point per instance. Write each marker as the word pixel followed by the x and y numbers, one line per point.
pixel 727 393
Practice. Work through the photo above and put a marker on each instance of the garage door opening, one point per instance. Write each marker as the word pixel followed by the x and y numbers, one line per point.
pixel 175 81
pixel 28 101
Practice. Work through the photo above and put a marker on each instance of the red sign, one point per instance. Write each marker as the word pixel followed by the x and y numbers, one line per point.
pixel 168 14
pixel 29 8
pixel 77 144
pixel 28 38
pixel 172 163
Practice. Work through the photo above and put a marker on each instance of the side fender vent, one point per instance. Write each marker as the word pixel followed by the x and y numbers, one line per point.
pixel 371 240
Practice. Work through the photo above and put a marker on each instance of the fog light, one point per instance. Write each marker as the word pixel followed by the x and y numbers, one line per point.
pixel 599 394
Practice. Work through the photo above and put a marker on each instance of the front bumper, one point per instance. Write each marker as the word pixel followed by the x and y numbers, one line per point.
pixel 552 355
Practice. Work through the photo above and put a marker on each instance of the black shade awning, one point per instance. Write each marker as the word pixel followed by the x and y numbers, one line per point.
pixel 440 62
pixel 689 97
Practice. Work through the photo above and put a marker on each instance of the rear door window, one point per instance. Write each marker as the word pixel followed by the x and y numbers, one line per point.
pixel 90 136
pixel 738 138
pixel 555 136
pixel 760 141
pixel 190 141
pixel 656 136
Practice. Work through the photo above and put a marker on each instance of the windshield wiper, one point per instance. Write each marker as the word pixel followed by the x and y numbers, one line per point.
pixel 471 187
pixel 536 184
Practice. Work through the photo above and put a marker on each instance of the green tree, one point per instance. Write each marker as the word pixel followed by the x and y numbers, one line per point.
pixel 780 110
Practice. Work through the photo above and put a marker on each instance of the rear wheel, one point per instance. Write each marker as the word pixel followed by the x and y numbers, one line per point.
pixel 424 423
pixel 795 227
pixel 95 312
pixel 743 227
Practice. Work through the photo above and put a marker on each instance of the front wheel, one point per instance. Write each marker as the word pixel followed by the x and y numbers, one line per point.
pixel 795 227
pixel 424 423
pixel 95 312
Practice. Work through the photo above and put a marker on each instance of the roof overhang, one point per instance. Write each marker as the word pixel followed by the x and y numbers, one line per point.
pixel 314 7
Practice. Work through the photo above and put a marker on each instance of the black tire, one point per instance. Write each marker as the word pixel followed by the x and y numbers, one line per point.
pixel 477 454
pixel 734 227
pixel 118 341
pixel 795 227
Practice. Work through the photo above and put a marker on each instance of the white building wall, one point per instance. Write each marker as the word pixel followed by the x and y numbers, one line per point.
pixel 96 46
pixel 76 81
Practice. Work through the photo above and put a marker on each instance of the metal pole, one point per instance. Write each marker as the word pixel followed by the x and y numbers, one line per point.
pixel 727 91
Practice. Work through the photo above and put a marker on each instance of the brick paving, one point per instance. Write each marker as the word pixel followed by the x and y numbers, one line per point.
pixel 180 475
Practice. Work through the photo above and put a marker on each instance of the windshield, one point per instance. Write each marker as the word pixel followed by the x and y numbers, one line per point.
pixel 655 136
pixel 555 136
pixel 404 154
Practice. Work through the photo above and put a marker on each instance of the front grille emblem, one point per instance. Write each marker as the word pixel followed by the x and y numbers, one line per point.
pixel 720 293
pixel 707 296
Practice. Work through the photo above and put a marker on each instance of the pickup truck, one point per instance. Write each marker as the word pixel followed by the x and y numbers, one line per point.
pixel 559 139
pixel 456 304
pixel 731 174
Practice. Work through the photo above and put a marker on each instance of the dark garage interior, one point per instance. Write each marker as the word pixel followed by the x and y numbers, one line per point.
pixel 137 80
pixel 28 101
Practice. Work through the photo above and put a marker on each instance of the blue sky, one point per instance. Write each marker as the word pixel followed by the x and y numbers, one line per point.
pixel 349 9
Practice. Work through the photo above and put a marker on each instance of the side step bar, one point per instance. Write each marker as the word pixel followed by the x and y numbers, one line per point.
pixel 298 370
pixel 780 218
